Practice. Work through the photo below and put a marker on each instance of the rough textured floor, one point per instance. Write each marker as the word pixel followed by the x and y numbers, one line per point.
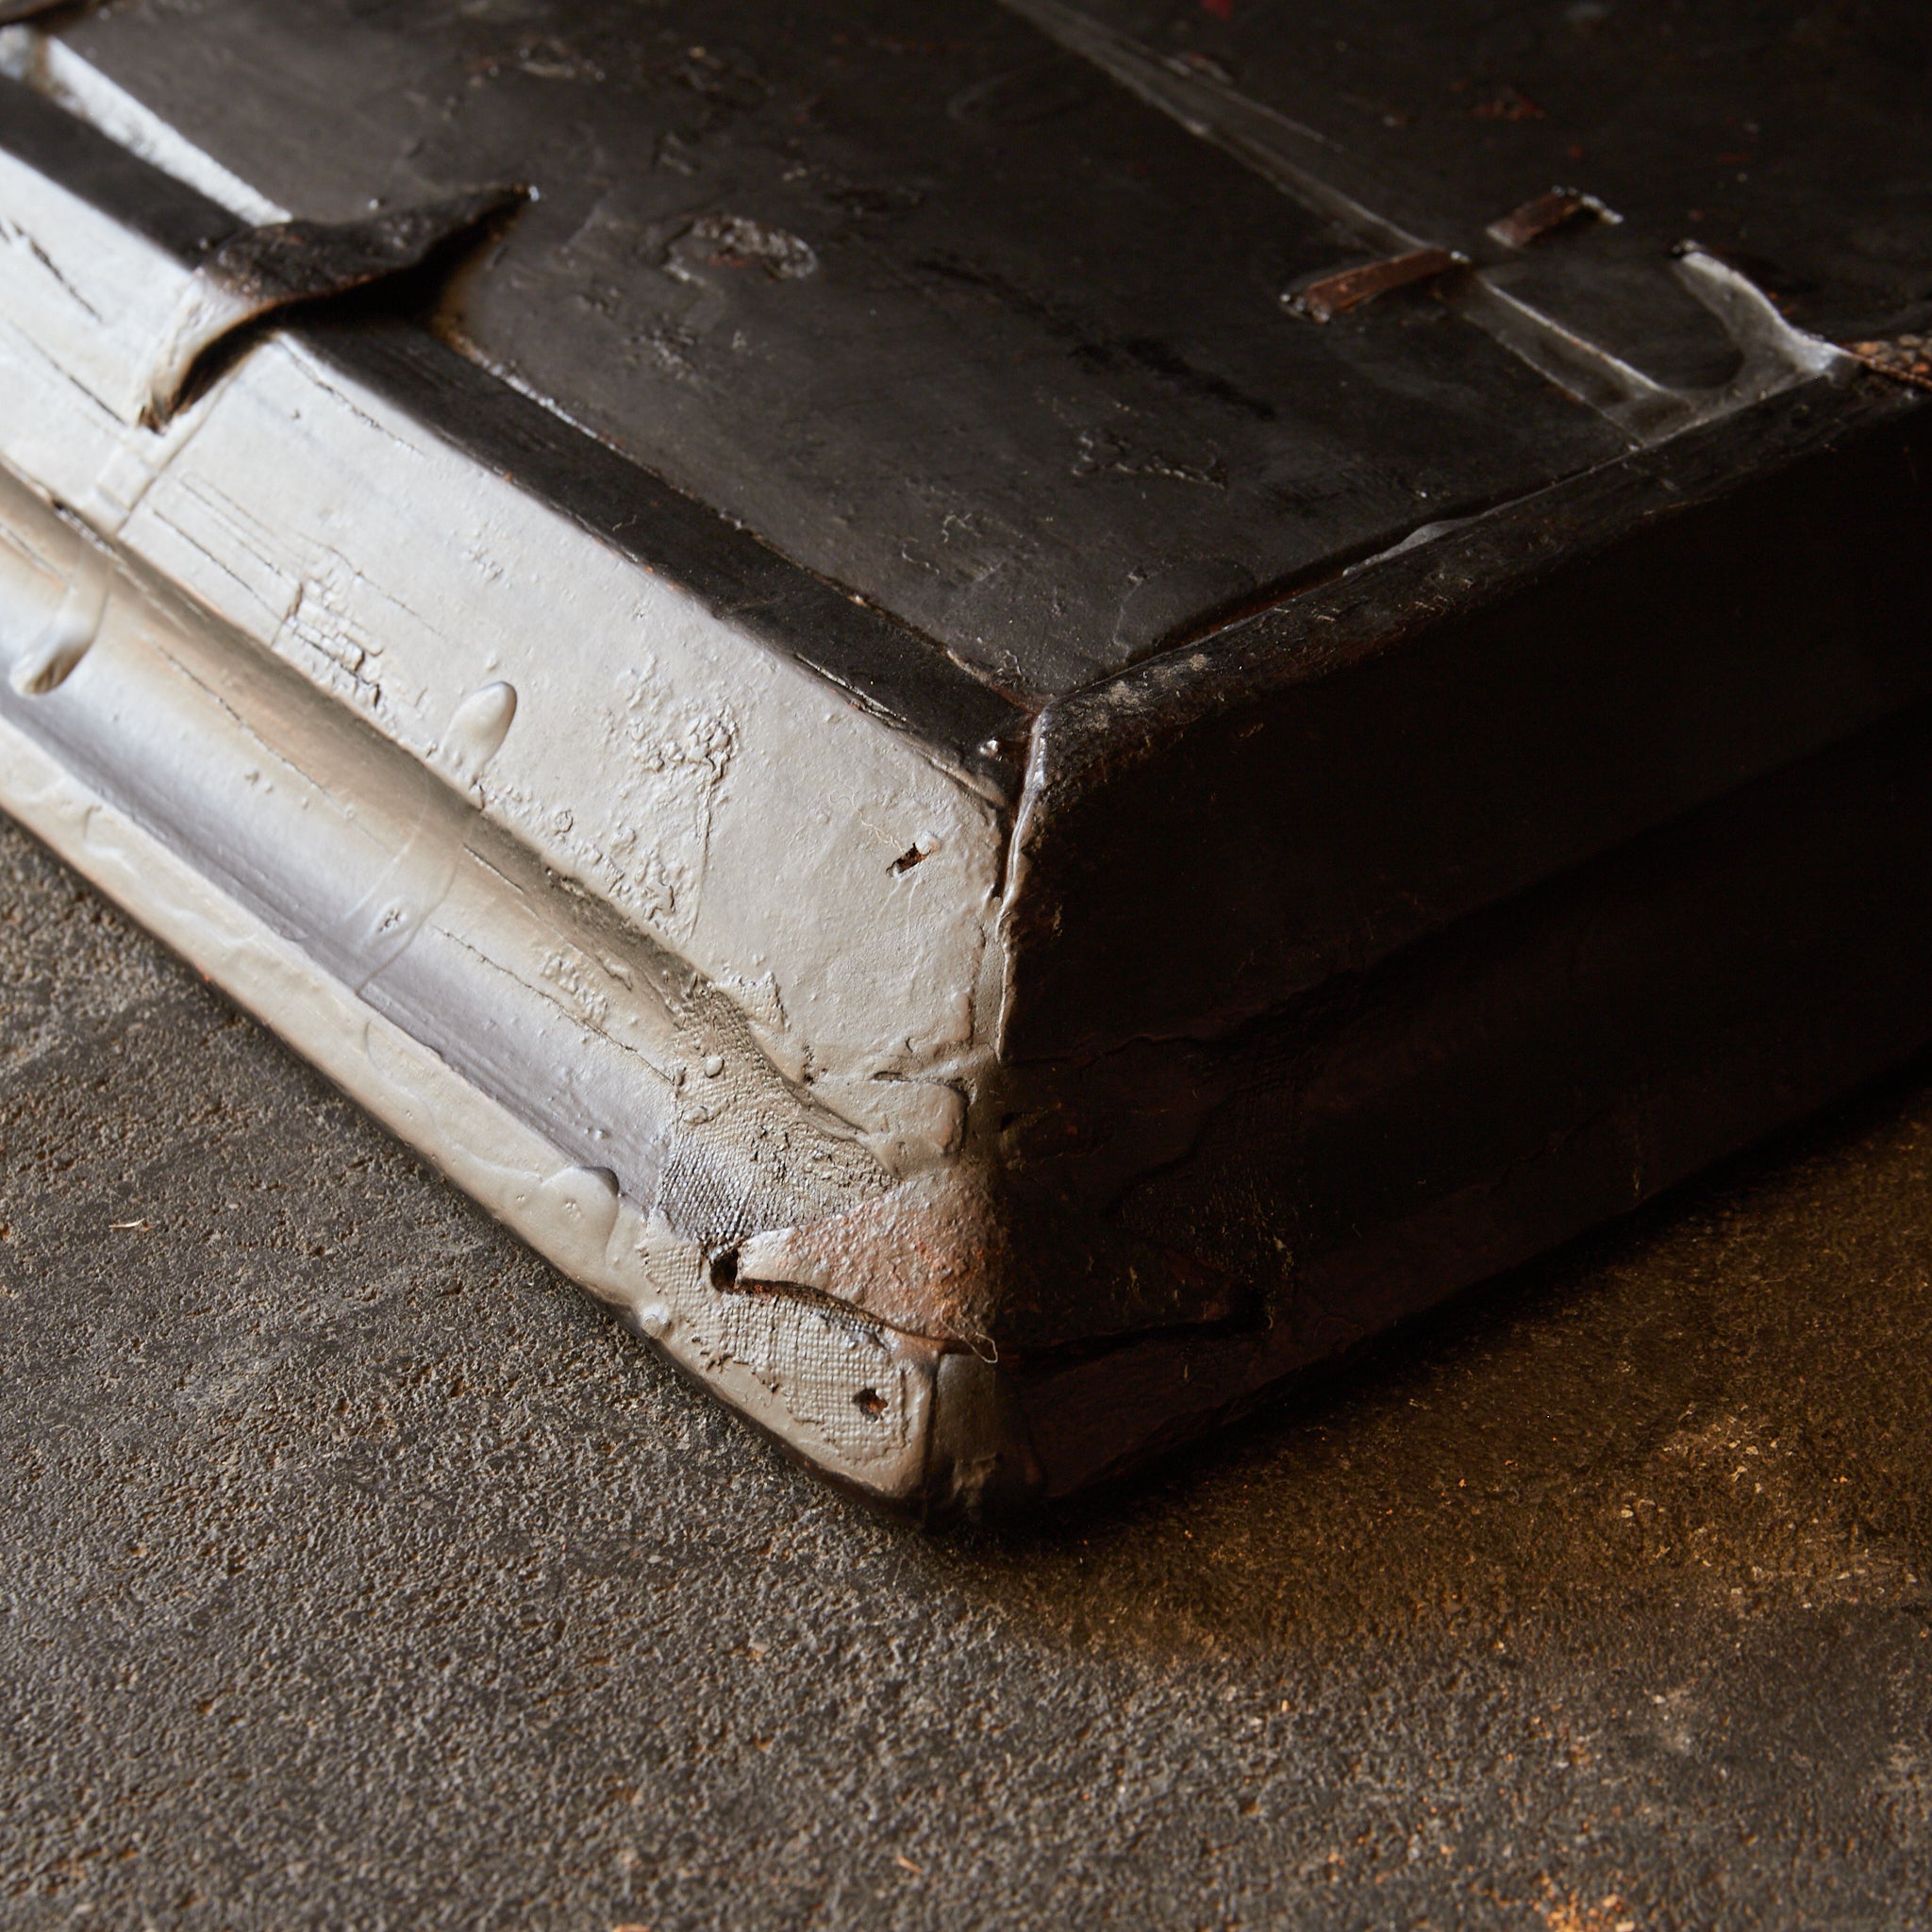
pixel 358 1572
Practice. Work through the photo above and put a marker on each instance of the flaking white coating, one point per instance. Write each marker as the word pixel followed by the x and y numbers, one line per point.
pixel 659 756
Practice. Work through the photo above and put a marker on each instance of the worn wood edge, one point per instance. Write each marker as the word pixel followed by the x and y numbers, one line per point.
pixel 1392 600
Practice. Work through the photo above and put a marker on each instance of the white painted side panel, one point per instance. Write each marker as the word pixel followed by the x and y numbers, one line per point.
pixel 720 796
pixel 798 1369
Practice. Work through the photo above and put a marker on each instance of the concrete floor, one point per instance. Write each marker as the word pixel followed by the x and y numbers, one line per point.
pixel 358 1572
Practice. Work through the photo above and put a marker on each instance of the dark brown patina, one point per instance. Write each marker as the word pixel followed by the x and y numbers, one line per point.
pixel 263 271
pixel 1349 287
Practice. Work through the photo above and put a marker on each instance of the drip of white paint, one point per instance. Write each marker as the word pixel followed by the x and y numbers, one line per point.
pixel 580 1204
pixel 476 732
pixel 50 660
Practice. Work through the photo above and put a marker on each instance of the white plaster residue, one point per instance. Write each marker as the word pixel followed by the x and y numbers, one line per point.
pixel 851 1394
pixel 760 1000
pixel 910 1124
pixel 582 1202
pixel 809 1357
pixel 126 473
pixel 667 757
pixel 55 653
pixel 714 791
pixel 400 900
pixel 576 982
pixel 50 428
pixel 208 309
pixel 345 656
pixel 35 587
pixel 951 1030
pixel 51 607
pixel 771 1027
pixel 673 765
pixel 23 255
pixel 862 1391
pixel 476 732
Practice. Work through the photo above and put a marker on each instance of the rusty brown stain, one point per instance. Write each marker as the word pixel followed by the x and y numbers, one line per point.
pixel 924 1256
pixel 955 1255
pixel 1335 294
pixel 1544 214
pixel 1904 359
